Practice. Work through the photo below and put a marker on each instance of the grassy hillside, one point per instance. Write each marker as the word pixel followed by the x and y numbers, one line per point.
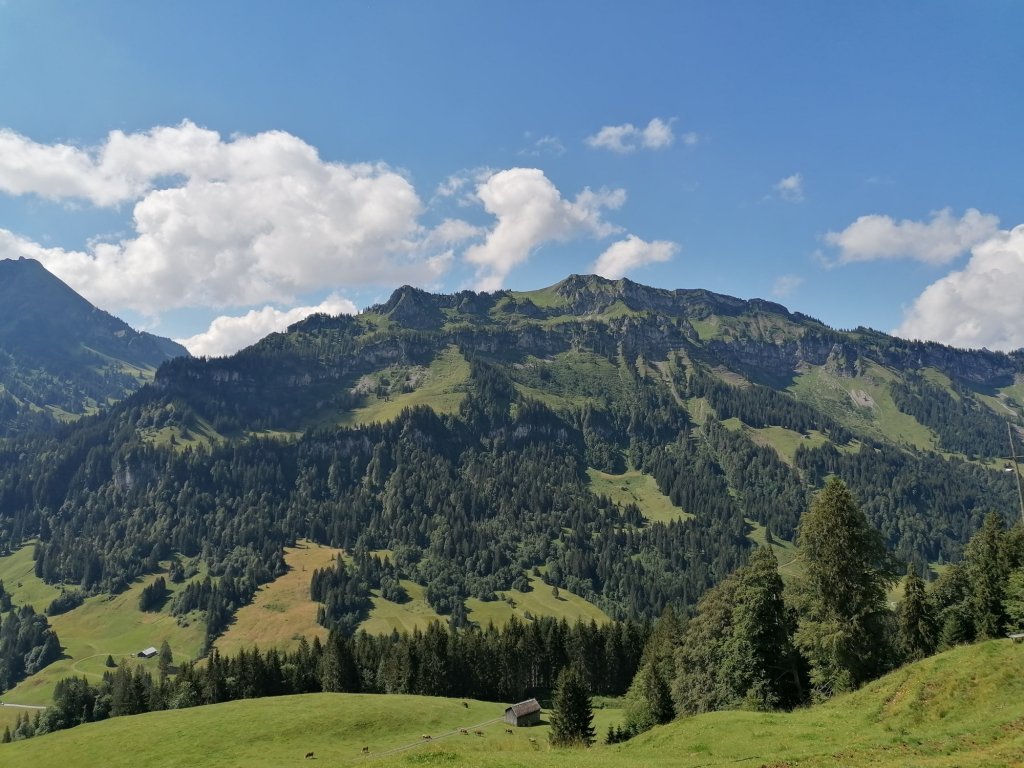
pixel 282 611
pixel 962 708
pixel 416 613
pixel 103 625
pixel 635 487
pixel 18 575
pixel 441 385
pixel 539 601
pixel 863 403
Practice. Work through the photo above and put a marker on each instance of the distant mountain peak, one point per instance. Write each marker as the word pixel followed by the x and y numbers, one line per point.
pixel 60 353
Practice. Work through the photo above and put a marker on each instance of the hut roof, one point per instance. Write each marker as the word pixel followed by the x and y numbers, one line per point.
pixel 527 707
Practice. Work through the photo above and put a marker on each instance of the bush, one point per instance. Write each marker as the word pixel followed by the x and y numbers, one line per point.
pixel 65 601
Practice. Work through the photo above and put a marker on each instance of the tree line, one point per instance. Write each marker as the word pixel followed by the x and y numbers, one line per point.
pixel 511 663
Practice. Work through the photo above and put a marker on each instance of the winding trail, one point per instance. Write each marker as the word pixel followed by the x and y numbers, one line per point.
pixel 74 667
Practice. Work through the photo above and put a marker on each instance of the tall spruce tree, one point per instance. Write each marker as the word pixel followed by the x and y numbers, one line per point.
pixel 572 715
pixel 987 570
pixel 761 657
pixel 916 621
pixel 844 627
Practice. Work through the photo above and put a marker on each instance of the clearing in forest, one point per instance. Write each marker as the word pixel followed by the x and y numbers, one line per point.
pixel 282 610
pixel 635 487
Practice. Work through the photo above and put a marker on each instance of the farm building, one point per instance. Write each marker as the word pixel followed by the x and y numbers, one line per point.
pixel 524 713
pixel 149 653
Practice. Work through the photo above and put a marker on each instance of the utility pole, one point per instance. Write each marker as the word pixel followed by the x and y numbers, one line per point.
pixel 1016 469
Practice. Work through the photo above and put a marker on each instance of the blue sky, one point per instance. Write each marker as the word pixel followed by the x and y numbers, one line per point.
pixel 212 171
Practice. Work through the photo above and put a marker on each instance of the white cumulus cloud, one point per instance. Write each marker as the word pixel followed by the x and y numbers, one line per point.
pixel 938 241
pixel 121 169
pixel 979 305
pixel 626 138
pixel 220 222
pixel 228 334
pixel 626 255
pixel 530 211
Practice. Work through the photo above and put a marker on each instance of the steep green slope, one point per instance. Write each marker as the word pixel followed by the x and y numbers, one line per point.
pixel 961 708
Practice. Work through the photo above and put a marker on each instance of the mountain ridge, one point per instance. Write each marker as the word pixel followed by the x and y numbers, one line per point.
pixel 62 356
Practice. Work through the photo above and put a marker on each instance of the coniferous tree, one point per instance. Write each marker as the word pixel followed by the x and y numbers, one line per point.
pixel 761 657
pixel 165 660
pixel 916 623
pixel 986 563
pixel 950 599
pixel 663 644
pixel 649 700
pixel 843 630
pixel 572 715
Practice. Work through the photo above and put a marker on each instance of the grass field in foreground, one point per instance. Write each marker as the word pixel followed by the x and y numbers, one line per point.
pixel 962 708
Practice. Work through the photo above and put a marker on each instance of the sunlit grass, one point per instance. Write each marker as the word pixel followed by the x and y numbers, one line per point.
pixel 962 708
pixel 635 487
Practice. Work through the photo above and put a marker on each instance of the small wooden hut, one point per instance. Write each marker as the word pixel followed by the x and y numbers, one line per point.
pixel 524 713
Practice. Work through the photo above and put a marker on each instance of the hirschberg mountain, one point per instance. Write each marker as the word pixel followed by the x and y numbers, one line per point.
pixel 62 357
pixel 481 439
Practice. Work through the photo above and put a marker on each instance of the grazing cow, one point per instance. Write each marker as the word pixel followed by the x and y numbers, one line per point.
pixel 465 705
pixel 366 750
pixel 508 731
pixel 479 733
pixel 463 731
pixel 533 740
pixel 425 737
pixel 310 756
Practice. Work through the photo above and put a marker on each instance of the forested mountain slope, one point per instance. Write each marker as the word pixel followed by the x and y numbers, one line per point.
pixel 455 433
pixel 60 355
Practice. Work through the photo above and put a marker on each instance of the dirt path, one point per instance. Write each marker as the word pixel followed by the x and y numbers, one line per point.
pixel 74 667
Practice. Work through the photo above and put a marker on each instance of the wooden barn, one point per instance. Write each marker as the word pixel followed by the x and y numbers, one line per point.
pixel 524 713
pixel 148 653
